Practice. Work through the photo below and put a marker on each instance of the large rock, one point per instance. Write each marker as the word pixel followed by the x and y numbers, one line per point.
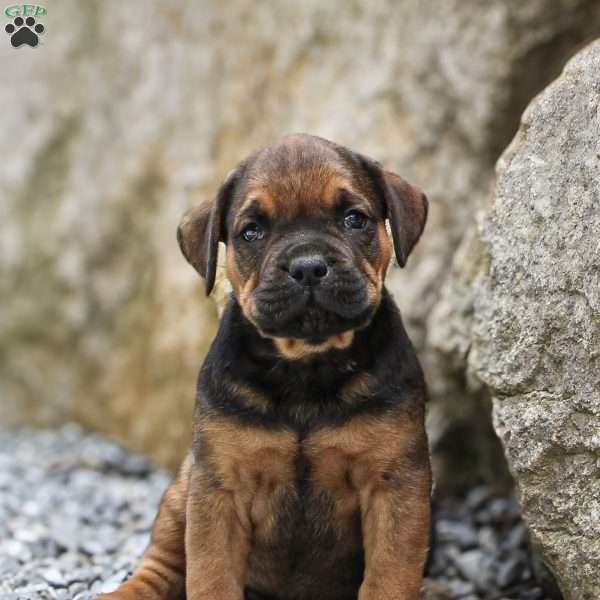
pixel 122 118
pixel 533 334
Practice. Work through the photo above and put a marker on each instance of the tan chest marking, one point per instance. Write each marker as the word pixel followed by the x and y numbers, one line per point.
pixel 294 349
pixel 350 462
pixel 360 458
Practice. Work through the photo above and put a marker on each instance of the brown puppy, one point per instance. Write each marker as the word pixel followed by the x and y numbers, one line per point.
pixel 308 476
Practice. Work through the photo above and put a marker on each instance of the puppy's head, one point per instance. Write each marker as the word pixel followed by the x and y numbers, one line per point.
pixel 307 249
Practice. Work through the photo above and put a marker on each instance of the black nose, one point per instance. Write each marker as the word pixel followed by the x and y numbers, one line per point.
pixel 308 270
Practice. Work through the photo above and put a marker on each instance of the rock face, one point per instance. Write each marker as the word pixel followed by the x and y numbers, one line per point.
pixel 534 334
pixel 117 122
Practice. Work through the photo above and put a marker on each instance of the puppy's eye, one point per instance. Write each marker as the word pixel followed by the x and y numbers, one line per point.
pixel 355 219
pixel 253 232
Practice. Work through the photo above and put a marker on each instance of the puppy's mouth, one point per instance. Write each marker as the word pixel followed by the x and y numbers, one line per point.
pixel 313 314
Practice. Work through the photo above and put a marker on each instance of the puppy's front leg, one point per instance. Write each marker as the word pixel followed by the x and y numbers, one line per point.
pixel 217 541
pixel 396 513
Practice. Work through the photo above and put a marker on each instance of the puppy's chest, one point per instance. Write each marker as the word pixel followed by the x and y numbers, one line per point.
pixel 281 479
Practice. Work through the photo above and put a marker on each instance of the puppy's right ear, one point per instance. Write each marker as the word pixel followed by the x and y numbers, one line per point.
pixel 203 227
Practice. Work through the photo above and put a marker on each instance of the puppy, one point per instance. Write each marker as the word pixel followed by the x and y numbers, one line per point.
pixel 308 477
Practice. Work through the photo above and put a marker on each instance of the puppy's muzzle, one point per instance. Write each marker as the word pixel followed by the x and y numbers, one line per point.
pixel 311 290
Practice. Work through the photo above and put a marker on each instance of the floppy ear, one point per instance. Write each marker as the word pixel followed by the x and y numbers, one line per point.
pixel 203 227
pixel 406 207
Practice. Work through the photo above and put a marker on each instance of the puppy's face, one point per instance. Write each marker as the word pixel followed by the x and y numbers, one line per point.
pixel 307 249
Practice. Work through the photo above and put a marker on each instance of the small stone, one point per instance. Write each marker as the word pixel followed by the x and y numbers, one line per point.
pixel 475 566
pixel 9 565
pixel 533 594
pixel 459 588
pixel 16 549
pixel 488 539
pixel 137 465
pixel 111 584
pixel 91 547
pixel 54 577
pixel 478 496
pixel 462 534
pixel 509 570
pixel 469 564
pixel 65 538
pixel 438 562
pixel 516 538
pixel 78 575
pixel 503 510
pixel 76 588
pixel 27 536
pixel 87 595
pixel 37 588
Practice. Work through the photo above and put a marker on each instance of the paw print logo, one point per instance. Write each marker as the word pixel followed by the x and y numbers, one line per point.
pixel 24 32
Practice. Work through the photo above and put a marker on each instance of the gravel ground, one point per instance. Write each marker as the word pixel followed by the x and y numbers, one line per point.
pixel 75 513
pixel 481 549
pixel 76 510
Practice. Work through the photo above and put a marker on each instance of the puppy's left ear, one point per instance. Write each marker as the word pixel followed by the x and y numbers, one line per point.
pixel 203 227
pixel 405 204
pixel 407 209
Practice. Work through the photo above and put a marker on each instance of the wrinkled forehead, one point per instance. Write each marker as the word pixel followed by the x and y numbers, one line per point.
pixel 295 179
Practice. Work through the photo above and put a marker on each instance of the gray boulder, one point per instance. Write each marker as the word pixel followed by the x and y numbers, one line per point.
pixel 532 333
